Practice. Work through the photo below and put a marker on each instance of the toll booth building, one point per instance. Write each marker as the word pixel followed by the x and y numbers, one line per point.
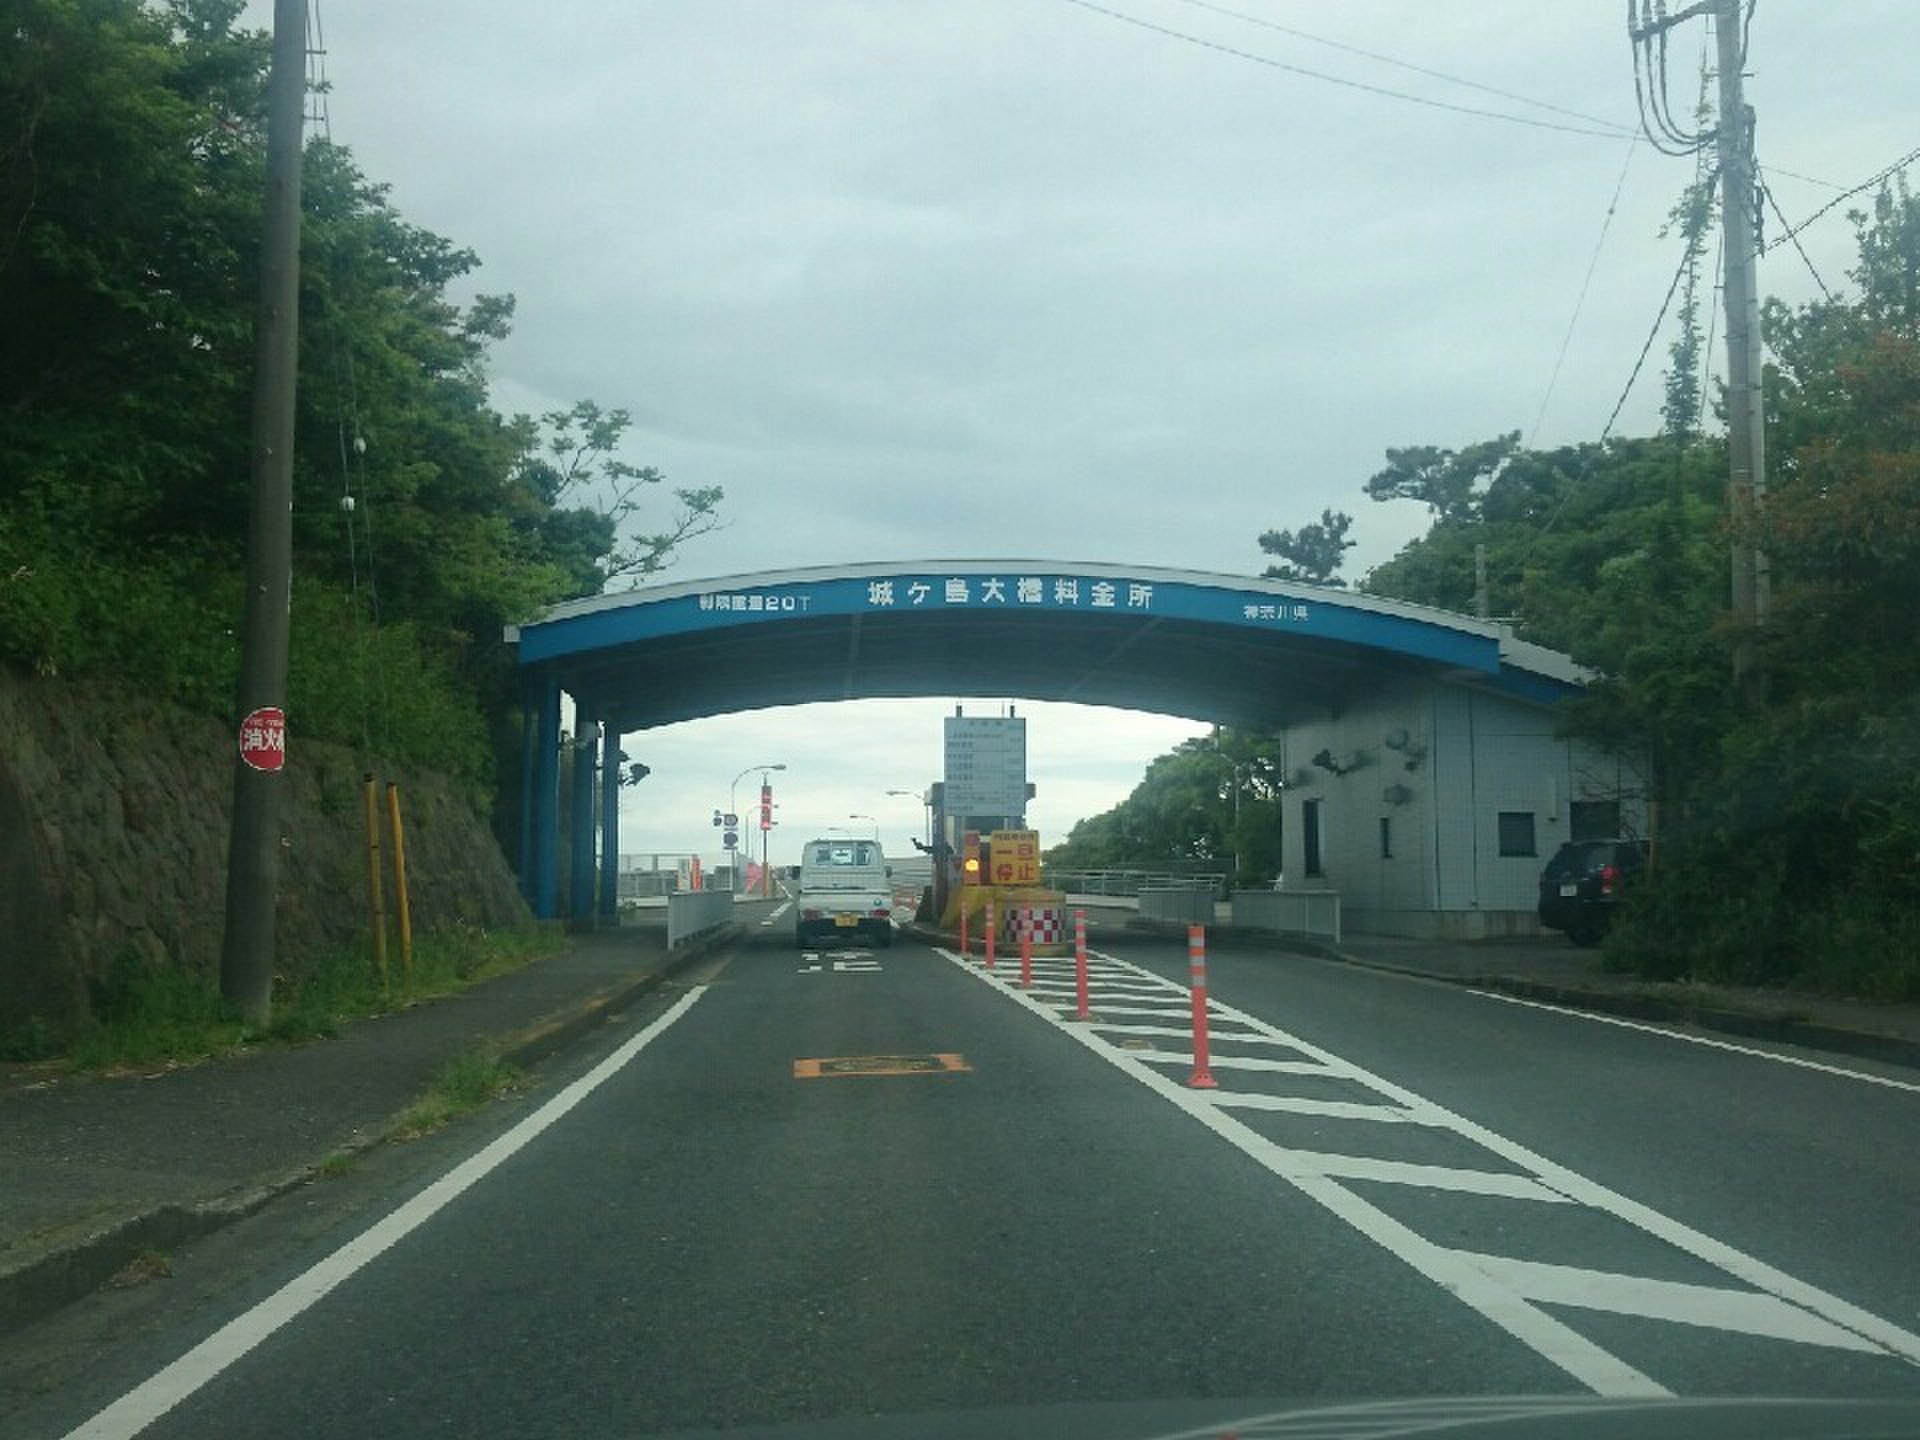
pixel 1430 807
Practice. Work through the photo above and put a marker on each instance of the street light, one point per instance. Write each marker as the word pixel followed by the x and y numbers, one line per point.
pixel 871 821
pixel 733 809
pixel 926 800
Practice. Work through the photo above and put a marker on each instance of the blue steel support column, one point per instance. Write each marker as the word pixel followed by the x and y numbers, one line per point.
pixel 609 819
pixel 529 716
pixel 546 801
pixel 580 877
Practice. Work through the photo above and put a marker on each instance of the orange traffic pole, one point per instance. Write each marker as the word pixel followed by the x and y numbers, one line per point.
pixel 987 935
pixel 1202 1077
pixel 963 925
pixel 1026 951
pixel 376 884
pixel 1080 966
pixel 402 904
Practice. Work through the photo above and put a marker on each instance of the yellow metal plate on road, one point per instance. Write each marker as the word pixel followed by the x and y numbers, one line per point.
pixel 879 1065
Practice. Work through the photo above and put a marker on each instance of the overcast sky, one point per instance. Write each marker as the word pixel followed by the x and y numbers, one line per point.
pixel 984 278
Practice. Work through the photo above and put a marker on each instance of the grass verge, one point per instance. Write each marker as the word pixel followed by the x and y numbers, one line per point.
pixel 465 1083
pixel 147 1015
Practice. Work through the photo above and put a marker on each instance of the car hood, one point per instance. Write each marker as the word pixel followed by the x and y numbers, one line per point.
pixel 1566 1417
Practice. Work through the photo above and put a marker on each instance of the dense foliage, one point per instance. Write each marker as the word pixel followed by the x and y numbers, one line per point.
pixel 131 169
pixel 1209 804
pixel 1787 823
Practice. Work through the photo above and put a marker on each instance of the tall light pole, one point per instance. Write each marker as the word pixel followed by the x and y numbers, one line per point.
pixel 733 809
pixel 871 821
pixel 926 802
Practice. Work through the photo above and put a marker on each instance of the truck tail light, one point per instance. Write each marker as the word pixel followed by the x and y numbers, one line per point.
pixel 1608 875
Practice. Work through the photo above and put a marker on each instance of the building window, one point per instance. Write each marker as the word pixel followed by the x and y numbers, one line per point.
pixel 1594 819
pixel 1310 837
pixel 1386 837
pixel 1516 833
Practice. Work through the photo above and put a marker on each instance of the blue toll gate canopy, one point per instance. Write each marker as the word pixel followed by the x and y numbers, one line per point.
pixel 1229 649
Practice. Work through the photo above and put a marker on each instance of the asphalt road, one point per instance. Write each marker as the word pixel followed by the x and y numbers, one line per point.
pixel 1399 1189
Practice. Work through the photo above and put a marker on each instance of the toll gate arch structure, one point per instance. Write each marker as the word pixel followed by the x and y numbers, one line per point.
pixel 1226 649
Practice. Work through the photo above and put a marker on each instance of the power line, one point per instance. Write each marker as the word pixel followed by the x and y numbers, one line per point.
pixel 1266 24
pixel 1647 32
pixel 1767 192
pixel 1340 80
pixel 1847 194
pixel 1673 287
pixel 1579 304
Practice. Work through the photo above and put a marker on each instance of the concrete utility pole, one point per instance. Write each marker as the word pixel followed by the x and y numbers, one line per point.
pixel 1746 412
pixel 253 847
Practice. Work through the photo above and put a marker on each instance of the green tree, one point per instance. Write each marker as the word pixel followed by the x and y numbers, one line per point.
pixel 1204 804
pixel 1448 482
pixel 131 165
pixel 1312 554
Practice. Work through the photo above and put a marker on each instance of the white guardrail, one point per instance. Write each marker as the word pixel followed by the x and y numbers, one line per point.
pixel 1183 905
pixel 1292 912
pixel 1130 882
pixel 694 912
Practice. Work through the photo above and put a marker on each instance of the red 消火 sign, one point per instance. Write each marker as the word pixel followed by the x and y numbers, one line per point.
pixel 263 739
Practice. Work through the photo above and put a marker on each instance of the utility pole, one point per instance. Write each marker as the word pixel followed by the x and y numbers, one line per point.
pixel 1746 414
pixel 253 846
pixel 1648 22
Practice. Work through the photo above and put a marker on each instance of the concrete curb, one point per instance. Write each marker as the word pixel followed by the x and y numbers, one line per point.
pixel 57 1279
pixel 1628 1004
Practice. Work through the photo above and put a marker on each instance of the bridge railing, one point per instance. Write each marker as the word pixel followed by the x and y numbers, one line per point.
pixel 1124 882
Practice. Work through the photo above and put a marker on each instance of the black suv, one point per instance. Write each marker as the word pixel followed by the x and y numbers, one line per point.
pixel 1582 883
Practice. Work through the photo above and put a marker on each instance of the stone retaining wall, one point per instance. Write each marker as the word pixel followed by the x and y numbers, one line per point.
pixel 113 835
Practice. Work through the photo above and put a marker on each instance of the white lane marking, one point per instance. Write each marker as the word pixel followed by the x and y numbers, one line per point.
pixel 1577 1187
pixel 1242 1062
pixel 1706 1305
pixel 1109 987
pixel 1559 1343
pixel 1206 1105
pixel 1179 1032
pixel 1162 1012
pixel 1713 1044
pixel 154 1397
pixel 778 911
pixel 1302 1105
pixel 1430 1177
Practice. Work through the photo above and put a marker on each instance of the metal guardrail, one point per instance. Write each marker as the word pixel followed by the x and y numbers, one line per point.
pixel 1291 912
pixel 1130 882
pixel 1182 904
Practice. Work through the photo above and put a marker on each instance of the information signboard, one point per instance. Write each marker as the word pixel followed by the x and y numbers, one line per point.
pixel 1015 857
pixel 986 765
